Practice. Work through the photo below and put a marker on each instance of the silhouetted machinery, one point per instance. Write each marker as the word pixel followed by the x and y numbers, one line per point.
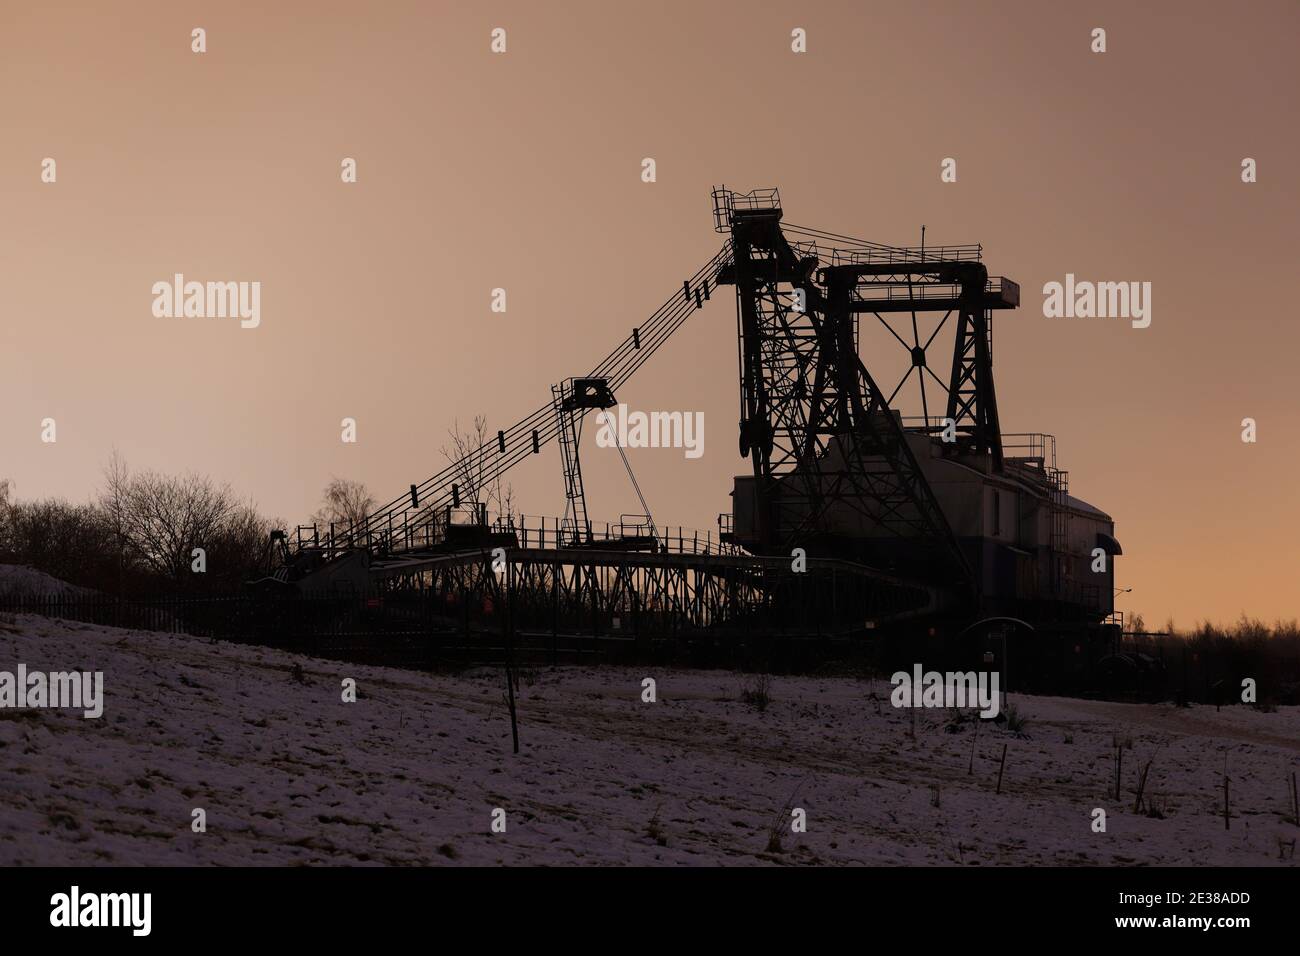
pixel 937 513
pixel 838 471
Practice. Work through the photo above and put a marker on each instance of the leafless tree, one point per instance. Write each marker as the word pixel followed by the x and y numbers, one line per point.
pixel 344 503
pixel 158 520
pixel 6 519
pixel 470 452
pixel 71 542
pixel 504 497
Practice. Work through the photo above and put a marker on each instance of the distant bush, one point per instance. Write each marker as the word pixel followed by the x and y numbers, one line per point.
pixel 1209 662
pixel 757 692
pixel 70 542
pixel 1016 721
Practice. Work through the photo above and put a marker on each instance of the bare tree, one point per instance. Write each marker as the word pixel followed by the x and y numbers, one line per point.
pixel 344 503
pixel 158 520
pixel 504 497
pixel 71 542
pixel 112 501
pixel 469 454
pixel 6 518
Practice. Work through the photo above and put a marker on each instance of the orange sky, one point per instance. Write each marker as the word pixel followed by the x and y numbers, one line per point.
pixel 522 171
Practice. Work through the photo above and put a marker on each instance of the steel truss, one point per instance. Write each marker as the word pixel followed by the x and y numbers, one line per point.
pixel 653 596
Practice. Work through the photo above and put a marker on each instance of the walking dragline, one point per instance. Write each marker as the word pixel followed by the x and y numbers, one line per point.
pixel 868 506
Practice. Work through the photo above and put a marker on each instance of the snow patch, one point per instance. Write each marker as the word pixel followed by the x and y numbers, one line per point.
pixel 21 580
pixel 410 774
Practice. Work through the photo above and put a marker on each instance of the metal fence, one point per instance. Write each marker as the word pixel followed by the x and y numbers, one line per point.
pixel 366 629
pixel 405 628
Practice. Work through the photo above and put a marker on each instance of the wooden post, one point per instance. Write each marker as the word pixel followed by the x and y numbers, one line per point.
pixel 508 628
pixel 1226 819
pixel 1001 766
pixel 1295 802
pixel 555 611
pixel 1142 785
pixel 510 690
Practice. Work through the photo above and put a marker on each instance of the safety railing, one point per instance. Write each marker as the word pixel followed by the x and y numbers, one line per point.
pixel 922 291
pixel 439 530
pixel 1032 449
pixel 873 255
pixel 727 201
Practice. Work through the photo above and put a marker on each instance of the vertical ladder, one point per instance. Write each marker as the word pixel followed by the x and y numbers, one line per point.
pixel 1060 483
pixel 574 528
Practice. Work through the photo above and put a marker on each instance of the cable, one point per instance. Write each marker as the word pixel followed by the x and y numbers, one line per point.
pixel 637 487
pixel 435 493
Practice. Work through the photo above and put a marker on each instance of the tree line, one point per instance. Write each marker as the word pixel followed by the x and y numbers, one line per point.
pixel 144 532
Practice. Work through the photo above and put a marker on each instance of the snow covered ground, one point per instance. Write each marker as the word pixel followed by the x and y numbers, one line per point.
pixel 21 580
pixel 411 773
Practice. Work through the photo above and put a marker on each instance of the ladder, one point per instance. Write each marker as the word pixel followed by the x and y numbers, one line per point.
pixel 572 398
pixel 1060 540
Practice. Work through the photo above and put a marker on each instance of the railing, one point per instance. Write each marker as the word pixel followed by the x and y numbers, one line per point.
pixel 168 614
pixel 554 533
pixel 423 628
pixel 852 251
pixel 727 201
pixel 925 291
pixel 1033 449
pixel 476 615
pixel 402 630
pixel 871 255
pixel 433 530
pixel 636 526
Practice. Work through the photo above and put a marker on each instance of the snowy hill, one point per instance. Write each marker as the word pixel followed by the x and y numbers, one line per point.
pixel 410 774
pixel 21 580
